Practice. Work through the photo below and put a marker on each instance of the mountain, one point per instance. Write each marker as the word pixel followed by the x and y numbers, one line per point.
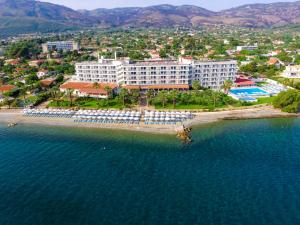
pixel 153 16
pixel 21 16
pixel 254 15
pixel 263 15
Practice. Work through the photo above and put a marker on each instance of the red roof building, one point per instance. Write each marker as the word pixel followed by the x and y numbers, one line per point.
pixel 7 88
pixel 244 82
pixel 83 89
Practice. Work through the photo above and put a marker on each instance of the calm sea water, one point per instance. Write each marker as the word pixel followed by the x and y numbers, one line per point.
pixel 235 172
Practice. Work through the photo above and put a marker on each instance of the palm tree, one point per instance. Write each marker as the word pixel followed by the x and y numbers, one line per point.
pixel 70 95
pixel 108 89
pixel 135 94
pixel 288 82
pixel 227 86
pixel 96 86
pixel 55 94
pixel 196 85
pixel 174 95
pixel 123 95
pixel 162 96
pixel 149 96
pixel 215 96
pixel 23 93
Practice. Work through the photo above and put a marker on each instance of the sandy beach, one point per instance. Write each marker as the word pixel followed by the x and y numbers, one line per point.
pixel 16 116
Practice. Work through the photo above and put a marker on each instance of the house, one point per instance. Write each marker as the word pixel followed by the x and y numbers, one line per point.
pixel 6 88
pixel 12 62
pixel 243 81
pixel 88 89
pixel 42 73
pixel 35 63
pixel 291 72
pixel 274 62
pixel 246 47
pixel 46 83
pixel 154 54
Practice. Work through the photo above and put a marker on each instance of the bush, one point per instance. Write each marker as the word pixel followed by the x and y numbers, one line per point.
pixel 288 101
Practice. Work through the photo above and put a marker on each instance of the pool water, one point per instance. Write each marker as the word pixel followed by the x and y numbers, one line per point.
pixel 248 92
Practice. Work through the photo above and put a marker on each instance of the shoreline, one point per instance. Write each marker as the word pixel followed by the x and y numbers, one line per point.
pixel 16 116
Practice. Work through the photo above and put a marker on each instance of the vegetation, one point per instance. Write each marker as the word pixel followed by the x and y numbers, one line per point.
pixel 288 101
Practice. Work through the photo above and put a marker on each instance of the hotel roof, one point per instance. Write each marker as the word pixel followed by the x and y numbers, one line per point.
pixel 159 87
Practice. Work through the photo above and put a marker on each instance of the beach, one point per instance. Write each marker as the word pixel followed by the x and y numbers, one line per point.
pixel 16 116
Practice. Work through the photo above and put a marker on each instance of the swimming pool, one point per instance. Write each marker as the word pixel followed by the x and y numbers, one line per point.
pixel 249 92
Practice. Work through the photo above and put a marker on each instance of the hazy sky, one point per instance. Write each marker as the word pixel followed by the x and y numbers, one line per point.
pixel 209 4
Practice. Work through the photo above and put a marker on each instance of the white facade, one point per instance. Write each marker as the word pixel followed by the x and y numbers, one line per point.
pixel 60 45
pixel 210 74
pixel 248 47
pixel 292 72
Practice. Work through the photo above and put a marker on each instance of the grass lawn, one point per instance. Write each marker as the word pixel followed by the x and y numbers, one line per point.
pixel 267 100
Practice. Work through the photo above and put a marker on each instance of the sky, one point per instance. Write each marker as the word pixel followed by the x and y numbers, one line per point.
pixel 214 5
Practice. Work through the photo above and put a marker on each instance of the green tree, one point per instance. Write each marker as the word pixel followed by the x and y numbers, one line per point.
pixel 163 97
pixel 149 96
pixel 196 85
pixel 288 101
pixel 227 86
pixel 123 94
pixel 109 90
pixel 70 95
pixel 174 96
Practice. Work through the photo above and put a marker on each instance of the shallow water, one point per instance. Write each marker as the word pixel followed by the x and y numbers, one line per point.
pixel 234 172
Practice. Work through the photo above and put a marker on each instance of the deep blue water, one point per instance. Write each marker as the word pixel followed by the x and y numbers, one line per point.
pixel 234 172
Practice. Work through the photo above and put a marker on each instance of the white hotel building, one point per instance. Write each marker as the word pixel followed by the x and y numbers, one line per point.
pixel 60 45
pixel 157 74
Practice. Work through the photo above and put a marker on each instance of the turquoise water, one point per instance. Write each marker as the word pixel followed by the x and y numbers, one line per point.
pixel 248 92
pixel 234 172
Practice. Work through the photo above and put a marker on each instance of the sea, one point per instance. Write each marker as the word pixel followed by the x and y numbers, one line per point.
pixel 232 173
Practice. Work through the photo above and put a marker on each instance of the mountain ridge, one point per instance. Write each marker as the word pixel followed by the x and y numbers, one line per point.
pixel 44 15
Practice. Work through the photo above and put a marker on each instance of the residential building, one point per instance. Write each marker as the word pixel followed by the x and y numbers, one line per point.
pixel 166 74
pixel 60 45
pixel 246 47
pixel 88 89
pixel 42 73
pixel 292 72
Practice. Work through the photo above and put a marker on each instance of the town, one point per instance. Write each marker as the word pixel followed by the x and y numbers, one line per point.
pixel 192 69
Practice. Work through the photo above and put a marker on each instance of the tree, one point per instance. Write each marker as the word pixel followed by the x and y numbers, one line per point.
pixel 135 95
pixel 288 101
pixel 8 101
pixel 97 87
pixel 123 95
pixel 227 86
pixel 196 85
pixel 162 96
pixel 108 89
pixel 23 93
pixel 70 95
pixel 55 95
pixel 149 96
pixel 31 79
pixel 174 96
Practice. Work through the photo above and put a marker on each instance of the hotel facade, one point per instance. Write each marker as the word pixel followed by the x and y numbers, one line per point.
pixel 60 45
pixel 149 74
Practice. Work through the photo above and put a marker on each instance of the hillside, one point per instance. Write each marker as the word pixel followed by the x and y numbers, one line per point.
pixel 153 16
pixel 21 16
pixel 18 16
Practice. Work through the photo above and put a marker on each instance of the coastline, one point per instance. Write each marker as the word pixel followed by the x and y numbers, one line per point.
pixel 15 116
